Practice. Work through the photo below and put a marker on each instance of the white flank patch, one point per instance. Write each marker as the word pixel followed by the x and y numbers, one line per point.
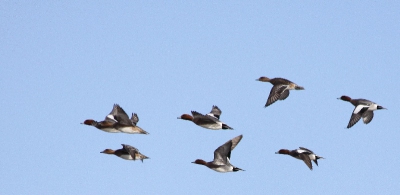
pixel 214 126
pixel 373 107
pixel 223 169
pixel 312 156
pixel 126 157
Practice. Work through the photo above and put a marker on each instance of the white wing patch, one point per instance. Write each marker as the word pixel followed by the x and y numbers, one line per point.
pixel 358 108
pixel 110 116
pixel 301 151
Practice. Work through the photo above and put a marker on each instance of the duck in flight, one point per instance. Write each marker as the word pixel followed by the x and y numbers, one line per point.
pixel 208 121
pixel 363 109
pixel 280 89
pixel 222 156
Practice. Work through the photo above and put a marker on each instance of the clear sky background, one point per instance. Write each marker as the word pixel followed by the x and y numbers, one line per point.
pixel 67 61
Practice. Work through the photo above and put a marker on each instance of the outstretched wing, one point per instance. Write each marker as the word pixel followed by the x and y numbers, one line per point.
pixel 222 153
pixel 306 159
pixel 215 112
pixel 356 115
pixel 275 94
pixel 122 117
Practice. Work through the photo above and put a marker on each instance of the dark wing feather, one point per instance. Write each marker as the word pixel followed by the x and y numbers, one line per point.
pixel 131 150
pixel 223 152
pixel 367 116
pixel 205 119
pixel 216 112
pixel 112 113
pixel 284 95
pixel 195 113
pixel 306 149
pixel 275 94
pixel 306 159
pixel 356 115
pixel 134 119
pixel 122 117
pixel 353 120
pixel 235 141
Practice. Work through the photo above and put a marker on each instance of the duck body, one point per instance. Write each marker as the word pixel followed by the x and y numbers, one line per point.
pixel 126 125
pixel 127 152
pixel 363 109
pixel 117 121
pixel 280 89
pixel 303 154
pixel 208 121
pixel 222 155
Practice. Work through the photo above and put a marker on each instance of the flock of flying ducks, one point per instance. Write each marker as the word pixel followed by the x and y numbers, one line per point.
pixel 118 121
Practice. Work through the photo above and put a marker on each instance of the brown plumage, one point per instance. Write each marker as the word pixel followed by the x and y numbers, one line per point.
pixel 280 90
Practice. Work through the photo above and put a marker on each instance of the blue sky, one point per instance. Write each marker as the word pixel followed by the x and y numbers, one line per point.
pixel 67 61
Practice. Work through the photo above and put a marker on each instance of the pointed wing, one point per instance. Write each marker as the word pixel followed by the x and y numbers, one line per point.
pixel 275 94
pixel 110 117
pixel 131 150
pixel 114 110
pixel 122 117
pixel 222 153
pixel 235 141
pixel 367 116
pixel 356 115
pixel 353 120
pixel 306 159
pixel 134 119
pixel 215 112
